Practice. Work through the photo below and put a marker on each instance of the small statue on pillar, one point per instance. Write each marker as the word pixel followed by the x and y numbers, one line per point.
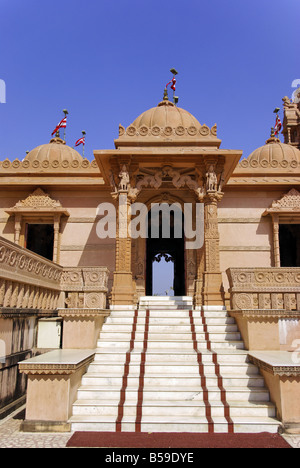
pixel 211 180
pixel 124 179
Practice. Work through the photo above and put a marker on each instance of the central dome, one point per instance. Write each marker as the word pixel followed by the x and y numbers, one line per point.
pixel 166 124
pixel 166 114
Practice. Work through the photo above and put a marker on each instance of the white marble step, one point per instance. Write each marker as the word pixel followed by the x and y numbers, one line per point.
pixel 175 424
pixel 170 369
pixel 172 336
pixel 168 321
pixel 159 344
pixel 226 356
pixel 157 380
pixel 152 301
pixel 171 408
pixel 167 328
pixel 104 392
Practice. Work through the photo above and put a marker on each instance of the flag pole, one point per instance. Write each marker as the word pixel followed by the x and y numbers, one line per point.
pixel 66 113
pixel 83 135
pixel 277 117
pixel 175 72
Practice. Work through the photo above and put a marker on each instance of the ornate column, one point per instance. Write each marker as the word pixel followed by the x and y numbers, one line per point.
pixel 212 293
pixel 276 240
pixel 123 290
pixel 212 277
pixel 56 226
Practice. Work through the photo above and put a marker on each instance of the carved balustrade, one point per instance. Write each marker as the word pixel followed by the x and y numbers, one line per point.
pixel 271 289
pixel 27 281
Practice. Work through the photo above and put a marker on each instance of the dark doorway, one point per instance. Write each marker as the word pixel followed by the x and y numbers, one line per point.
pixel 40 239
pixel 170 249
pixel 289 242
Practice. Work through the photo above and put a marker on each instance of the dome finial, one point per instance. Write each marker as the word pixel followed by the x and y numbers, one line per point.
pixel 273 138
pixel 165 98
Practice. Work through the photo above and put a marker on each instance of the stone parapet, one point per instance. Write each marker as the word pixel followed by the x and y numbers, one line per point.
pixel 266 305
pixel 281 372
pixel 27 280
pixel 264 288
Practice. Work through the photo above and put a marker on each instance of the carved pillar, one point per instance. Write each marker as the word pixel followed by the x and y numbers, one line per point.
pixel 123 290
pixel 56 239
pixel 212 277
pixel 18 225
pixel 276 247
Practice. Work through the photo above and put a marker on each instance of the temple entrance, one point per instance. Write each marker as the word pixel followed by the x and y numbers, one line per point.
pixel 289 241
pixel 165 249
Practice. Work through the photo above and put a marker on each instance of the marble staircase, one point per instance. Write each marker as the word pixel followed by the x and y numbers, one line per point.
pixel 168 368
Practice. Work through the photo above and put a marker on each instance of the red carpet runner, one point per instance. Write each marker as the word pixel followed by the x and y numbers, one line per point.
pixel 175 440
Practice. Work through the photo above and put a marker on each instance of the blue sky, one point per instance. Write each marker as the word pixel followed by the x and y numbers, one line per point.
pixel 107 61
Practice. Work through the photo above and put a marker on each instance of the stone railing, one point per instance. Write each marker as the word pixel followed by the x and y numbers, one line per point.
pixel 27 280
pixel 85 287
pixel 265 288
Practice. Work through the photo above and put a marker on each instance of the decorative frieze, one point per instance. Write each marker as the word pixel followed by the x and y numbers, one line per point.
pixel 265 288
pixel 56 165
pixel 85 287
pixel 83 313
pixel 180 131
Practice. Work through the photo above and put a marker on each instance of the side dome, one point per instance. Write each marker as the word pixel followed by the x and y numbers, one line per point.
pixel 275 153
pixel 56 150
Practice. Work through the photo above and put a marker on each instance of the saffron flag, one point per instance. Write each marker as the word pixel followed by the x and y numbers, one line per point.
pixel 81 141
pixel 62 124
pixel 173 85
pixel 278 125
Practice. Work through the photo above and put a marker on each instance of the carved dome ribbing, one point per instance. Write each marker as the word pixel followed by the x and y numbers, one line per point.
pixel 166 114
pixel 275 152
pixel 56 150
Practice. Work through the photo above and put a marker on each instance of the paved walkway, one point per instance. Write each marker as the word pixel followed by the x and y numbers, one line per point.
pixel 11 437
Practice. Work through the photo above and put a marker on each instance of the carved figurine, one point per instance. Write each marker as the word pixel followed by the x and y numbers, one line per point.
pixel 211 180
pixel 124 179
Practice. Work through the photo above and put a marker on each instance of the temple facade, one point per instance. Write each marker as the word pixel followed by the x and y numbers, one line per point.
pixel 78 314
